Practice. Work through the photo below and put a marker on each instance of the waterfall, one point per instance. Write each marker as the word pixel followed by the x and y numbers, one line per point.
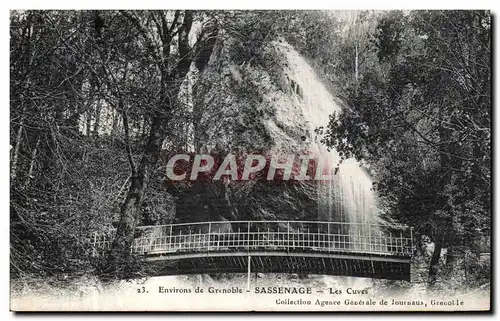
pixel 348 196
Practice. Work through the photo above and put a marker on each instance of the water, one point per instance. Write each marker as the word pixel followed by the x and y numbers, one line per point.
pixel 348 196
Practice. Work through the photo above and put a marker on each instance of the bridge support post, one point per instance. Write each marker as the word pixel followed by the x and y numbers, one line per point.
pixel 170 239
pixel 288 236
pixel 370 238
pixel 411 240
pixel 249 270
pixel 209 236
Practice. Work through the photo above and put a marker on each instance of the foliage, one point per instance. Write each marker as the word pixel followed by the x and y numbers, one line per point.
pixel 421 117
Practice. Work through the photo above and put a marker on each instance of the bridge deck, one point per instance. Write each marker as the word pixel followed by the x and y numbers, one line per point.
pixel 364 250
pixel 340 264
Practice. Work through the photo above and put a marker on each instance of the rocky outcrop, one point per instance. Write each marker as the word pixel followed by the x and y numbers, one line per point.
pixel 270 104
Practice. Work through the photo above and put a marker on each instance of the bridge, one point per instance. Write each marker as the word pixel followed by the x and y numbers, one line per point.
pixel 307 247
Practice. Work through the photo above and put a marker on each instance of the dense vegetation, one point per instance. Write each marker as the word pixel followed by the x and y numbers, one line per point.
pixel 96 94
pixel 420 115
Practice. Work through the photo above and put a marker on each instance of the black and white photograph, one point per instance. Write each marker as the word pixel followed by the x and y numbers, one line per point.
pixel 250 160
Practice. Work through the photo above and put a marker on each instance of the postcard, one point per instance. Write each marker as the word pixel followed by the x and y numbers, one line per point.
pixel 250 160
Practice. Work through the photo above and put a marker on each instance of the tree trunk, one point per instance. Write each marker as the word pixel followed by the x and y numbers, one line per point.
pixel 97 119
pixel 143 129
pixel 356 72
pixel 442 226
pixel 114 125
pixel 171 80
pixel 433 265
pixel 15 155
pixel 27 33
pixel 88 124
pixel 32 163
pixel 130 210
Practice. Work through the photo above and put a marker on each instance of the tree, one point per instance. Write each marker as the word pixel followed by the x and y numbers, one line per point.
pixel 421 118
pixel 168 51
pixel 70 72
pixel 53 163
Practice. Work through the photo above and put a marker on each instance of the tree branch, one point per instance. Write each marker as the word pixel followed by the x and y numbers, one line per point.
pixel 150 44
pixel 127 140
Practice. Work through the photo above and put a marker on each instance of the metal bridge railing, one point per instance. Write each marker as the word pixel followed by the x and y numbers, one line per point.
pixel 286 236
